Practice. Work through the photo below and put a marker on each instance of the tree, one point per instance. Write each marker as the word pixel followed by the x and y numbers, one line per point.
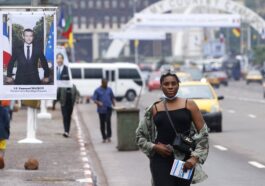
pixel 259 55
pixel 17 31
pixel 39 32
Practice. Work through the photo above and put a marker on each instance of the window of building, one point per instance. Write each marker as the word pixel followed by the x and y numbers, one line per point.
pixel 131 3
pixel 83 4
pixel 122 4
pixel 99 4
pixel 106 4
pixel 125 73
pixel 91 21
pixel 76 73
pixel 83 20
pixel 106 20
pixel 114 19
pixel 90 3
pixel 114 3
pixel 75 20
pixel 146 3
pixel 123 19
pixel 75 5
pixel 93 73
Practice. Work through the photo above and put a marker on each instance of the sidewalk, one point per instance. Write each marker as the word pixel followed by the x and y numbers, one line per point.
pixel 122 168
pixel 62 161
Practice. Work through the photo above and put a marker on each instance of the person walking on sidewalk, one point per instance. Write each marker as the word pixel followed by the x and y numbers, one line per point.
pixel 4 133
pixel 104 99
pixel 67 98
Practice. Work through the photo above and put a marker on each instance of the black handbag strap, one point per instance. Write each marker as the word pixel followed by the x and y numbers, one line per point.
pixel 169 118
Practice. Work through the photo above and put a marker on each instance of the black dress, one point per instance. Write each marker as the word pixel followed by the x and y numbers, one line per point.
pixel 161 166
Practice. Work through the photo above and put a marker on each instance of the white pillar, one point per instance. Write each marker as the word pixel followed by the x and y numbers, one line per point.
pixel 95 44
pixel 43 111
pixel 127 49
pixel 31 127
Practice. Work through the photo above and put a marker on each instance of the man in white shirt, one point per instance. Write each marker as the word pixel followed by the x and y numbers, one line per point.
pixel 27 59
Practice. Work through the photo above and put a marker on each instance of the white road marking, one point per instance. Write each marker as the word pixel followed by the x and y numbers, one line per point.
pixel 246 99
pixel 86 166
pixel 256 164
pixel 87 172
pixel 231 111
pixel 84 159
pixel 83 154
pixel 86 180
pixel 221 148
pixel 252 116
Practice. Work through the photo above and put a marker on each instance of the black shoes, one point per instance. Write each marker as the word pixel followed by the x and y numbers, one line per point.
pixel 66 134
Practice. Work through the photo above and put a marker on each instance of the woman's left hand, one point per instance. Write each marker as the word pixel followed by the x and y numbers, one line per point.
pixel 190 163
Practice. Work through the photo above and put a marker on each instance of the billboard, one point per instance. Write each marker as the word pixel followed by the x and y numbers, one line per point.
pixel 27 55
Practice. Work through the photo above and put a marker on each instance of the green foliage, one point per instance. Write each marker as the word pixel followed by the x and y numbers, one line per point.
pixel 259 54
pixel 17 31
pixel 39 32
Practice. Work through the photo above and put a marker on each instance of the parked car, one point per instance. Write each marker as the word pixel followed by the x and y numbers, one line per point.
pixel 222 77
pixel 213 79
pixel 154 81
pixel 254 76
pixel 207 100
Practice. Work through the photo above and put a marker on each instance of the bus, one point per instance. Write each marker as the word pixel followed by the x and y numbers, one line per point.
pixel 124 78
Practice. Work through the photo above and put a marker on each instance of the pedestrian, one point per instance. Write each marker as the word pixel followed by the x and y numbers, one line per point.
pixel 27 57
pixel 157 131
pixel 104 99
pixel 8 104
pixel 67 98
pixel 4 133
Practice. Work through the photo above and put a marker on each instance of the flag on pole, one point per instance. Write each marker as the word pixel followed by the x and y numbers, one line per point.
pixel 61 23
pixel 71 40
pixel 68 28
pixel 236 32
pixel 49 53
pixel 6 44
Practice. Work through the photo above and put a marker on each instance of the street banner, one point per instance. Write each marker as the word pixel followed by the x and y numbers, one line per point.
pixel 173 22
pixel 63 74
pixel 27 55
pixel 137 35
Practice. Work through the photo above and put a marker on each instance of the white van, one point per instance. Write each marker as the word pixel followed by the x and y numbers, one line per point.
pixel 124 78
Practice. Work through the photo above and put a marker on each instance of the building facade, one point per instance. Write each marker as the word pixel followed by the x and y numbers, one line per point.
pixel 94 19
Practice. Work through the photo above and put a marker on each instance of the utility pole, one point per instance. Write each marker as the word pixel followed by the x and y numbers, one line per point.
pixel 136 42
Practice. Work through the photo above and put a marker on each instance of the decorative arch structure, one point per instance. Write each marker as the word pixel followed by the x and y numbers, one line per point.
pixel 247 15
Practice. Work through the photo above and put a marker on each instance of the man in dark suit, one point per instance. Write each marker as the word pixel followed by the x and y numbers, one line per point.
pixel 27 58
pixel 61 70
pixel 61 73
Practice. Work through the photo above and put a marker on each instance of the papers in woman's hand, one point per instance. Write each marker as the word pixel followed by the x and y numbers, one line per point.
pixel 177 170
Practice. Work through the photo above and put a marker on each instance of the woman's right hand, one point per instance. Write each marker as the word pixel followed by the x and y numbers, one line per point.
pixel 163 149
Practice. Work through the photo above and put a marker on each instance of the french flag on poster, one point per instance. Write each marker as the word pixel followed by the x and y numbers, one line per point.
pixel 6 44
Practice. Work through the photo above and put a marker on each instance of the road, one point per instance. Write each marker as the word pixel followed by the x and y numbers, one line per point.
pixel 236 155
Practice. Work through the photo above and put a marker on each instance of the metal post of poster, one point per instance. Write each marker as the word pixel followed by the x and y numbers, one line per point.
pixel 31 127
pixel 43 111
